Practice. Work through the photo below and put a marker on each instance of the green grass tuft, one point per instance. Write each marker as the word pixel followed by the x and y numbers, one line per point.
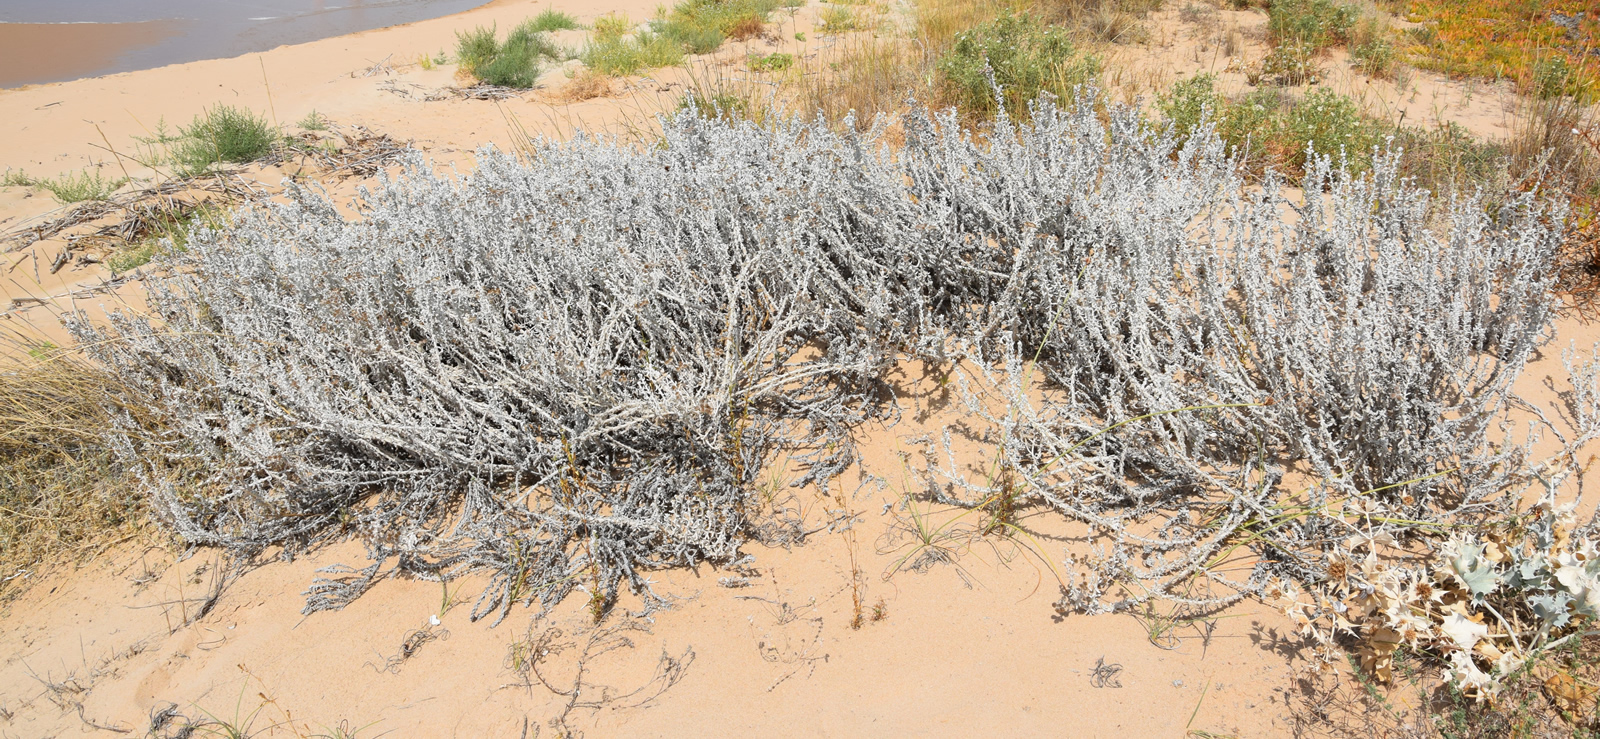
pixel 512 63
pixel 553 20
pixel 223 134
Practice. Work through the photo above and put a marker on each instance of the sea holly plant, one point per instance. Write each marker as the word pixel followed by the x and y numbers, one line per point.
pixel 1490 603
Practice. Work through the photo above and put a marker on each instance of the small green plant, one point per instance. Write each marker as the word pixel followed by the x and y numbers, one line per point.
pixel 76 188
pixel 1331 123
pixel 313 121
pixel 774 62
pixel 554 20
pixel 222 134
pixel 512 63
pixel 799 36
pixel 1551 77
pixel 1025 57
pixel 17 178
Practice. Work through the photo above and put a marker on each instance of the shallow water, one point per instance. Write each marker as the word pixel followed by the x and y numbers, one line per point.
pixel 123 35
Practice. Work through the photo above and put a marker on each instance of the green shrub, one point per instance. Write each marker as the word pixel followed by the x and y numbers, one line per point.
pixel 1288 63
pixel 514 63
pixel 1330 122
pixel 1320 23
pixel 1027 58
pixel 75 188
pixel 553 20
pixel 1184 104
pixel 17 178
pixel 625 56
pixel 223 134
pixel 1267 128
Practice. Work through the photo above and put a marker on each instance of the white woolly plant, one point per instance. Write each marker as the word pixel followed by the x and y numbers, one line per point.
pixel 568 369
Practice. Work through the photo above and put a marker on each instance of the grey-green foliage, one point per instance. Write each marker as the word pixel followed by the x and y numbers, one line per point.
pixel 569 368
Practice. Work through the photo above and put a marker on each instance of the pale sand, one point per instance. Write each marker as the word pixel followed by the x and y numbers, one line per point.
pixel 970 649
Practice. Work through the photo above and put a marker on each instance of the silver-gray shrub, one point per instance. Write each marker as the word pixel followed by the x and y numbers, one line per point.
pixel 568 368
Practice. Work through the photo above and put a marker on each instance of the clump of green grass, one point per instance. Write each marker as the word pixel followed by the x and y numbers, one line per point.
pixel 16 178
pixel 613 52
pixel 222 134
pixel 774 62
pixel 76 188
pixel 701 26
pixel 514 62
pixel 1026 58
pixel 554 20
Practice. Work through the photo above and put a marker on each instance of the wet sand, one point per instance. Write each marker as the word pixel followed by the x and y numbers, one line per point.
pixel 42 42
pixel 49 52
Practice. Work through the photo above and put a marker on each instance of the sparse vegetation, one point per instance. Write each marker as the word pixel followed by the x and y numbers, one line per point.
pixel 313 121
pixel 839 19
pixel 1314 23
pixel 80 186
pixel 170 236
pixel 614 52
pixel 700 26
